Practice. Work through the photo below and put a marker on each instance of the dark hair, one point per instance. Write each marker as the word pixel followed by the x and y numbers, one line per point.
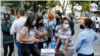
pixel 7 14
pixel 65 18
pixel 88 22
pixel 44 12
pixel 71 18
pixel 29 21
pixel 37 21
pixel 63 21
pixel 59 13
pixel 21 11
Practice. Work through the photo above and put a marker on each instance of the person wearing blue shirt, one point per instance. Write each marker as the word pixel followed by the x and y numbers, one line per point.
pixel 86 37
pixel 50 26
pixel 45 16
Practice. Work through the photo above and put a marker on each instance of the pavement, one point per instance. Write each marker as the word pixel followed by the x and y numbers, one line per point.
pixel 96 44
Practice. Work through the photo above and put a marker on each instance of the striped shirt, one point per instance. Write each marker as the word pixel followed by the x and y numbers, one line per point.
pixel 64 36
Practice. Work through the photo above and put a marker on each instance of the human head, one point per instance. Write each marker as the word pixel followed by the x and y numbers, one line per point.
pixel 50 17
pixel 70 18
pixel 58 16
pixel 21 12
pixel 84 15
pixel 44 13
pixel 39 21
pixel 58 11
pixel 6 16
pixel 30 20
pixel 29 13
pixel 87 23
pixel 64 23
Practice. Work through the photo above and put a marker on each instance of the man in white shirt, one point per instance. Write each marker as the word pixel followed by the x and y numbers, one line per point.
pixel 15 29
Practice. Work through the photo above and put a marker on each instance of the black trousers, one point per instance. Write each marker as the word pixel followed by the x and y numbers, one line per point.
pixel 28 49
pixel 40 45
pixel 49 40
pixel 5 46
pixel 85 55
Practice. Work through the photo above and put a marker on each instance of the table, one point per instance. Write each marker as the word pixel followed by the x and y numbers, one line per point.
pixel 58 52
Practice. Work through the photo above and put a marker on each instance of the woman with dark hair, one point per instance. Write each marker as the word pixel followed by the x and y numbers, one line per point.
pixel 41 32
pixel 64 34
pixel 58 17
pixel 86 37
pixel 7 38
pixel 27 37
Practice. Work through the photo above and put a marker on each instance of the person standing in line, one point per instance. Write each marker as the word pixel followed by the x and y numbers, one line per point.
pixel 27 37
pixel 45 16
pixel 15 29
pixel 64 34
pixel 86 37
pixel 58 25
pixel 7 38
pixel 71 23
pixel 50 26
pixel 41 30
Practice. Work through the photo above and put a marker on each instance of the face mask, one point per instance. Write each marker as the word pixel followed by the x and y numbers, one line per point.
pixel 34 23
pixel 41 24
pixel 65 26
pixel 57 19
pixel 81 26
pixel 46 16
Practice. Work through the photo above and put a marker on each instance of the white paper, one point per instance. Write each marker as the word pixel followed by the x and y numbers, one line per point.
pixel 47 51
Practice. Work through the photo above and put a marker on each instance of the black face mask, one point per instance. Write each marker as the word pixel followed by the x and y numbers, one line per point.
pixel 57 19
pixel 41 24
pixel 81 26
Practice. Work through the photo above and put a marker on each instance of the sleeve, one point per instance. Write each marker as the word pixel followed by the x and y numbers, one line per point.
pixel 13 28
pixel 5 28
pixel 79 41
pixel 23 30
pixel 96 37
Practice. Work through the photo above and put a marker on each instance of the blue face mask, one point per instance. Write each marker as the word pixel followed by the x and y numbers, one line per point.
pixel 46 16
pixel 34 23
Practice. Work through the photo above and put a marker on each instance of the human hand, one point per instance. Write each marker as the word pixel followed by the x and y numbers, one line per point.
pixel 64 52
pixel 8 21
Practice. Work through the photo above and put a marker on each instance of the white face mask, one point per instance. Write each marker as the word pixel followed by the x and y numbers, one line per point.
pixel 65 26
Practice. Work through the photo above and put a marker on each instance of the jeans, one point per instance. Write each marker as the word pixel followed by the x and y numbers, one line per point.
pixel 79 54
pixel 18 46
pixel 28 49
pixel 5 46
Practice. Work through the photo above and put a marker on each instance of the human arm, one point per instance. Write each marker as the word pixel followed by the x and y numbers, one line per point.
pixel 57 42
pixel 5 28
pixel 79 41
pixel 96 37
pixel 43 34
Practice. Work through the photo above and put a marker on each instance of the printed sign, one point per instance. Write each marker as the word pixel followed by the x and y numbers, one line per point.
pixel 93 7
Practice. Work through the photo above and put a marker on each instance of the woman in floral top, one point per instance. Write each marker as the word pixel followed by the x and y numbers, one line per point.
pixel 41 32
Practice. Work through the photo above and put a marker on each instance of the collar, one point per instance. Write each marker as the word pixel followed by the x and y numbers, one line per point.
pixel 21 17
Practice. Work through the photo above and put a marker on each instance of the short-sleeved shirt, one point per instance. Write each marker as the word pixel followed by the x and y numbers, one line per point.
pixel 27 35
pixel 40 31
pixel 64 36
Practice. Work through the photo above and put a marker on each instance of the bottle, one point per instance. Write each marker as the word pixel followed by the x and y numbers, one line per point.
pixel 49 45
pixel 53 43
